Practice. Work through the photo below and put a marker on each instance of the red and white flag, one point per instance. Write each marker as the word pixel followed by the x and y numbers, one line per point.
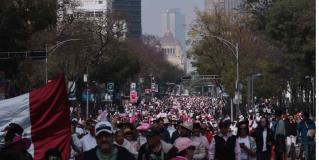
pixel 44 115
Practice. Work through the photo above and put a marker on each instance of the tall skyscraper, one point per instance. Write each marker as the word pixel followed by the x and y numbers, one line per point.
pixel 173 21
pixel 131 9
pixel 92 8
pixel 230 7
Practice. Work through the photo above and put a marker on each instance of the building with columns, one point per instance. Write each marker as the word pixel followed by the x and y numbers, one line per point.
pixel 173 50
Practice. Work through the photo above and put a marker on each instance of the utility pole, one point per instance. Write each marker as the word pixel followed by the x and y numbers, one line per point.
pixel 46 64
pixel 87 91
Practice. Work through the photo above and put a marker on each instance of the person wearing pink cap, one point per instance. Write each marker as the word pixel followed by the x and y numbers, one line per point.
pixel 185 148
pixel 142 129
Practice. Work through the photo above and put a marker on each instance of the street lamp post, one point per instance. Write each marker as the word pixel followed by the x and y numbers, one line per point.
pixel 252 86
pixel 235 51
pixel 51 50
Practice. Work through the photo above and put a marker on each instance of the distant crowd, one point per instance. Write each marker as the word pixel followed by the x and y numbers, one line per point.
pixel 180 128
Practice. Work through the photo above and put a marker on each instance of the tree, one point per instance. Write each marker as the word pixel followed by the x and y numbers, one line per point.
pixel 290 25
pixel 215 57
pixel 19 19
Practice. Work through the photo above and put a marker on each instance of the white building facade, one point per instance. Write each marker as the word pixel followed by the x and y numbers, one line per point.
pixel 174 21
pixel 173 51
pixel 229 7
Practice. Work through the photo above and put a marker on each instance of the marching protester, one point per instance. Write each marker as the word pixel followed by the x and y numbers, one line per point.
pixel 130 136
pixel 142 130
pixel 163 133
pixel 53 154
pixel 15 143
pixel 155 148
pixel 291 128
pixel 280 134
pixel 105 148
pixel 19 146
pixel 224 145
pixel 247 143
pixel 264 139
pixel 201 151
pixel 122 142
pixel 184 130
pixel 185 149
pixel 306 132
pixel 76 146
pixel 88 141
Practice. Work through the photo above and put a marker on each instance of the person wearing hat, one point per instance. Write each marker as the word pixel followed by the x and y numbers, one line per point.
pixel 11 131
pixel 88 141
pixel 185 148
pixel 171 127
pixel 19 146
pixel 142 129
pixel 202 149
pixel 224 145
pixel 155 148
pixel 165 132
pixel 105 149
pixel 129 135
pixel 184 130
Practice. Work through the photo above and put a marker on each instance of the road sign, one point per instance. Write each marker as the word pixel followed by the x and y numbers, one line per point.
pixel 141 80
pixel 237 98
pixel 85 78
pixel 71 91
pixel 147 91
pixel 153 86
pixel 108 97
pixel 110 87
pixel 133 97
pixel 133 86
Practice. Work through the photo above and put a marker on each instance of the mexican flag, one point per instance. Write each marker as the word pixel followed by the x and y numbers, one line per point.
pixel 44 115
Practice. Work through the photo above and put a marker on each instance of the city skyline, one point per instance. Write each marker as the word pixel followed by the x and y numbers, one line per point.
pixel 174 21
pixel 152 11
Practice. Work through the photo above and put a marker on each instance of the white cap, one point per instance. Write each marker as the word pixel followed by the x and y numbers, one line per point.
pixel 103 126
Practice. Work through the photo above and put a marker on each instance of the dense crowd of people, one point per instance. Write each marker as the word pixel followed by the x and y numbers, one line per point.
pixel 181 128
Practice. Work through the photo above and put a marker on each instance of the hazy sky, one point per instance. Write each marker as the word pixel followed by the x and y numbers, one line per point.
pixel 153 9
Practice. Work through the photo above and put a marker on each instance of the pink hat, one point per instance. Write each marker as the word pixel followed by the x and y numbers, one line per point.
pixel 183 143
pixel 143 126
pixel 17 139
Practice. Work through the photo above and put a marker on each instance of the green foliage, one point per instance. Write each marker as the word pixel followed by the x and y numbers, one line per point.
pixel 215 57
pixel 290 25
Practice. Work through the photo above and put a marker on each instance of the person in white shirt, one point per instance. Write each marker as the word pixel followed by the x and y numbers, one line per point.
pixel 233 128
pixel 201 151
pixel 75 141
pixel 122 142
pixel 247 143
pixel 142 129
pixel 88 142
pixel 129 136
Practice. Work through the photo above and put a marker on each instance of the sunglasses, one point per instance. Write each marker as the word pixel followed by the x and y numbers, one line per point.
pixel 243 128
